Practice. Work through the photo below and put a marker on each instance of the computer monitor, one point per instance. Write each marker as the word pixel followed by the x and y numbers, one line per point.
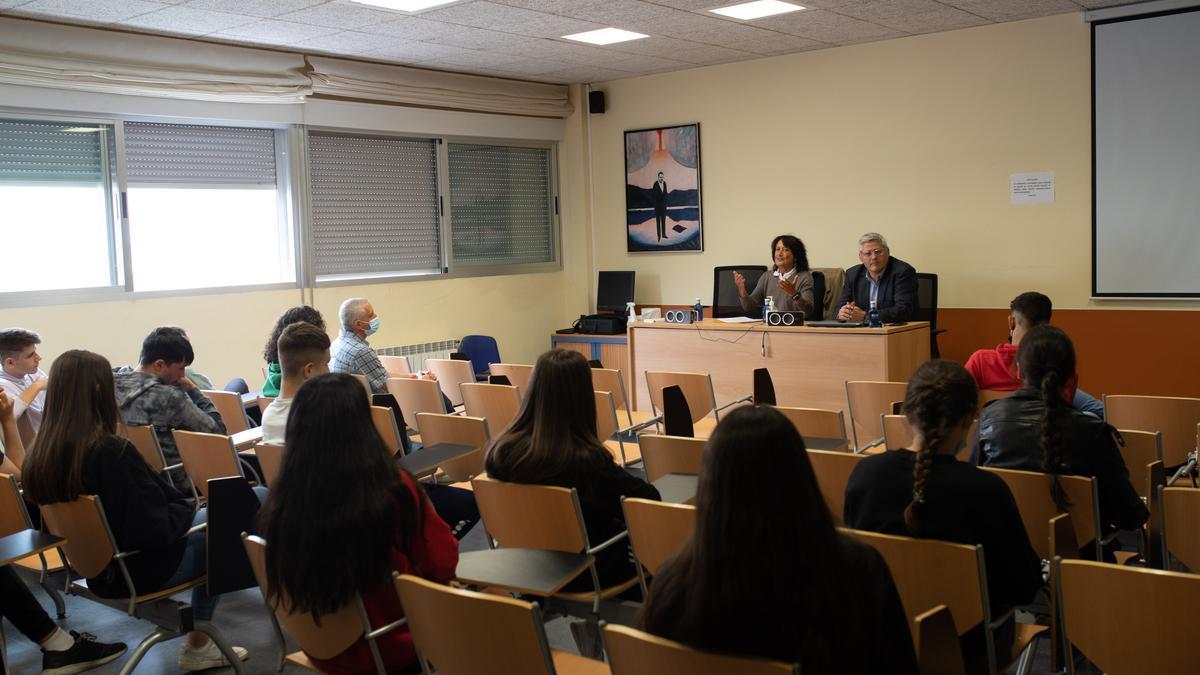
pixel 613 291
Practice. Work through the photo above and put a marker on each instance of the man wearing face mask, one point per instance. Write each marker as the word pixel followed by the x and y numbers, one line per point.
pixel 350 352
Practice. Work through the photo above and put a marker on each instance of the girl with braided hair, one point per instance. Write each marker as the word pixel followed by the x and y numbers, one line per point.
pixel 924 491
pixel 1036 429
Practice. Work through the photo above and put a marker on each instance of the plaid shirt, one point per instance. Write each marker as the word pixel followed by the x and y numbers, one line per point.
pixel 351 354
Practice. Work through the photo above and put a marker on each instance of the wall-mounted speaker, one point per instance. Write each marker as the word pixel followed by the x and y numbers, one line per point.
pixel 596 102
pixel 679 316
pixel 785 318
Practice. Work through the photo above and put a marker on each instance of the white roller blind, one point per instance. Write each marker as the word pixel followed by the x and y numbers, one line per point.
pixel 501 204
pixel 194 155
pixel 374 204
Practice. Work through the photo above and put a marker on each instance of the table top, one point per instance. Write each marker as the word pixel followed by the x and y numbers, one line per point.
pixel 677 488
pixel 244 440
pixel 26 543
pixel 425 461
pixel 716 324
pixel 832 444
pixel 525 570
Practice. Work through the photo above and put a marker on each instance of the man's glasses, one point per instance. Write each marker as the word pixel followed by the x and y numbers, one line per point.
pixel 873 253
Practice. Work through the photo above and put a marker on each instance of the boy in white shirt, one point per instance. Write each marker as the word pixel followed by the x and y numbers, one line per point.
pixel 20 376
pixel 303 354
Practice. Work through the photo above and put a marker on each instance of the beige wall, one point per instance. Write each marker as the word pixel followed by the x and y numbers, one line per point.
pixel 914 137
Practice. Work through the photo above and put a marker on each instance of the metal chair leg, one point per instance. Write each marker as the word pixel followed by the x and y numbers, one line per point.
pixel 154 638
pixel 1025 663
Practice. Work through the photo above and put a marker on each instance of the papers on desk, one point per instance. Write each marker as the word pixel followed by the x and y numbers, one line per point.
pixel 738 319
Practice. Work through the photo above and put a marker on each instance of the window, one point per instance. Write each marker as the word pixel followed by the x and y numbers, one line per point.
pixel 57 206
pixel 502 206
pixel 206 207
pixel 375 205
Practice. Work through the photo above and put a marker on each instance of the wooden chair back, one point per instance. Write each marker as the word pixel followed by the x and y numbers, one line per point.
pixel 986 396
pixel 1176 417
pixel 451 373
pixel 416 396
pixel 606 415
pixel 662 455
pixel 929 573
pixel 362 379
pixel 460 430
pixel 866 401
pixel 506 635
pixel 1141 449
pixel 833 470
pixel 497 403
pixel 385 423
pixel 897 433
pixel 1031 491
pixel 531 516
pixel 146 441
pixel 657 530
pixel 270 458
pixel 336 632
pixel 263 402
pixel 89 544
pixel 1179 513
pixel 517 373
pixel 206 456
pixel 1128 620
pixel 939 651
pixel 633 652
pixel 697 390
pixel 611 379
pixel 229 404
pixel 817 422
pixel 14 517
pixel 396 365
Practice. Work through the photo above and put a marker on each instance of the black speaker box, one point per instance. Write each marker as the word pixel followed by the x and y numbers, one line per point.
pixel 596 102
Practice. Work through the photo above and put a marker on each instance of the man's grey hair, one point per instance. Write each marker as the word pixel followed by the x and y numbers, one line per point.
pixel 872 236
pixel 352 310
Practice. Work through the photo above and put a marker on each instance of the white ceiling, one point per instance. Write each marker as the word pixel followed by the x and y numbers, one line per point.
pixel 522 38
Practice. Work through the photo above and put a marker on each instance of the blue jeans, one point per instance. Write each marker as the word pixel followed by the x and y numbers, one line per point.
pixel 193 566
pixel 1086 403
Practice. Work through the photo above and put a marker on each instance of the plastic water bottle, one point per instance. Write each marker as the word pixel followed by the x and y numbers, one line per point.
pixel 873 316
pixel 632 313
pixel 768 307
pixel 698 310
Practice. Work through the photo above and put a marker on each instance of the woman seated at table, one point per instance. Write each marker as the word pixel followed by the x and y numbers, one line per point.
pixel 341 517
pixel 789 283
pixel 553 442
pixel 766 573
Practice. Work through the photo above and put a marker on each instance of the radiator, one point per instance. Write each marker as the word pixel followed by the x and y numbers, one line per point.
pixel 417 353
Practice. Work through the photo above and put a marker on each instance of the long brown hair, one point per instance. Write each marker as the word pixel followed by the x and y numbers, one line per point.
pixel 556 426
pixel 1047 360
pixel 939 397
pixel 81 408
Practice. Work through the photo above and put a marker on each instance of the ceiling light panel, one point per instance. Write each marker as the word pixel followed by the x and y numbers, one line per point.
pixel 747 11
pixel 605 36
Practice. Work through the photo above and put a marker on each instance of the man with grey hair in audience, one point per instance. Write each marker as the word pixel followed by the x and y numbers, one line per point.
pixel 352 354
pixel 890 282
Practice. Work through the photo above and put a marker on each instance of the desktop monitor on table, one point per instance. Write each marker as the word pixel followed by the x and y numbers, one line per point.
pixel 614 291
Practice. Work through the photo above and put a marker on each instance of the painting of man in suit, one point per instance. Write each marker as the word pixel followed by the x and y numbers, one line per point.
pixel 660 206
pixel 662 183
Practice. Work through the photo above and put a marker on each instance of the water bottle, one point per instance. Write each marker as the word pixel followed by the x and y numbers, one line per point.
pixel 698 309
pixel 632 314
pixel 768 307
pixel 873 316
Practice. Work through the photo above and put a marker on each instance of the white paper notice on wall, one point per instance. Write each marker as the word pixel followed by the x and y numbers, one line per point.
pixel 1032 188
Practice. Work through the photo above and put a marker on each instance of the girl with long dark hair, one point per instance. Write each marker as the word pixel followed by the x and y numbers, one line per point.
pixel 1036 429
pixel 77 452
pixel 553 441
pixel 341 517
pixel 766 573
pixel 924 491
pixel 789 283
pixel 297 314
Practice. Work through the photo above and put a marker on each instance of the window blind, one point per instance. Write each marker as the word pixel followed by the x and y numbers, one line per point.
pixel 501 204
pixel 193 155
pixel 52 152
pixel 374 204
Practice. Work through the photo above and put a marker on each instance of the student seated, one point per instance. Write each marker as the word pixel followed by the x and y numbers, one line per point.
pixel 766 573
pixel 553 441
pixel 924 491
pixel 77 453
pixel 1036 429
pixel 341 518
pixel 20 376
pixel 299 313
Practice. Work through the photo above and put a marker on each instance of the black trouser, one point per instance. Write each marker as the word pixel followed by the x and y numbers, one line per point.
pixel 454 505
pixel 21 609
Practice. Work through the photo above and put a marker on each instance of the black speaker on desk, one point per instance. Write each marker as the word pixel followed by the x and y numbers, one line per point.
pixel 785 318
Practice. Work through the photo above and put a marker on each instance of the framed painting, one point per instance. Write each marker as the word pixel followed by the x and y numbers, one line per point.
pixel 662 189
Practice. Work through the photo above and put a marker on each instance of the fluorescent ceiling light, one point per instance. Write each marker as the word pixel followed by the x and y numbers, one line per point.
pixel 756 10
pixel 81 130
pixel 605 36
pixel 405 5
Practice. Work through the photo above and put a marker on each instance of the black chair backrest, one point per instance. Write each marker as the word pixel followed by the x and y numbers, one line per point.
pixel 389 401
pixel 232 510
pixel 927 293
pixel 499 379
pixel 725 294
pixel 818 312
pixel 677 416
pixel 764 388
pixel 594 363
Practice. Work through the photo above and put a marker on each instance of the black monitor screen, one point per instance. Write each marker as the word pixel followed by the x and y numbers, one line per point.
pixel 614 290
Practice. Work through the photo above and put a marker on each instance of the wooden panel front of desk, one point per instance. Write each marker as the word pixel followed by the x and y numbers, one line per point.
pixel 808 365
pixel 610 350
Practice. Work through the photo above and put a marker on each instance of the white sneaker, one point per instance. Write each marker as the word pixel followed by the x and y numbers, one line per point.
pixel 208 656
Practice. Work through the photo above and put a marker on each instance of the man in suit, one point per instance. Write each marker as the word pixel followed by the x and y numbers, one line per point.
pixel 660 206
pixel 890 281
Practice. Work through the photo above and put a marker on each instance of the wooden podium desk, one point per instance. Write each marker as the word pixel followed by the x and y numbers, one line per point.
pixel 807 365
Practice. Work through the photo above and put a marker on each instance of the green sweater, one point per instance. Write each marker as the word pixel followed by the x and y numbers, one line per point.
pixel 271 386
